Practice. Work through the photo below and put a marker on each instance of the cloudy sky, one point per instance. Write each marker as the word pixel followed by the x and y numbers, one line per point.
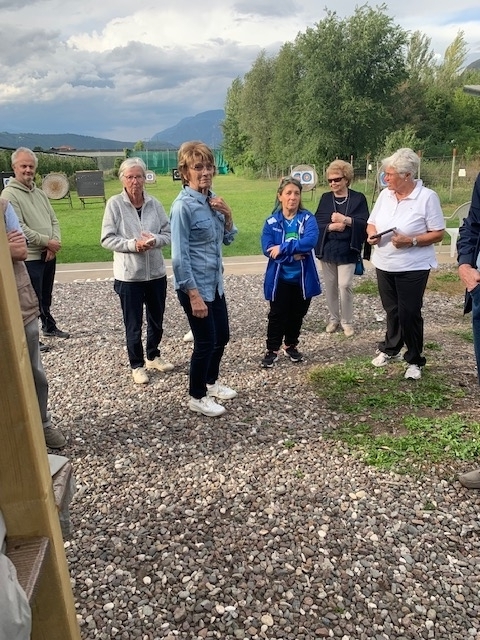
pixel 125 70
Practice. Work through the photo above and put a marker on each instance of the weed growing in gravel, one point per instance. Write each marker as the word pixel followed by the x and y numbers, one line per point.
pixel 395 423
pixel 464 334
pixel 367 286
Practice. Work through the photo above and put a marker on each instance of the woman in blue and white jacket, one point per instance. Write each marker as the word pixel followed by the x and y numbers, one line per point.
pixel 289 237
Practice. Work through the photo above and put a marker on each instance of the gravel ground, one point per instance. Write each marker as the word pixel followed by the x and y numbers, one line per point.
pixel 193 527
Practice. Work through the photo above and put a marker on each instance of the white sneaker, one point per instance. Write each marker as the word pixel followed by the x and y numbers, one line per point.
pixel 221 391
pixel 413 372
pixel 206 405
pixel 188 337
pixel 139 376
pixel 382 359
pixel 160 364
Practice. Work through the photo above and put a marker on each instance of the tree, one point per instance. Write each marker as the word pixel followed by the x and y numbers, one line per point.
pixel 448 73
pixel 352 68
pixel 235 140
pixel 139 146
pixel 254 113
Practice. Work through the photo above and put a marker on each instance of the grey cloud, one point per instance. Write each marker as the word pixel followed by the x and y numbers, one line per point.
pixel 126 93
pixel 20 45
pixel 273 8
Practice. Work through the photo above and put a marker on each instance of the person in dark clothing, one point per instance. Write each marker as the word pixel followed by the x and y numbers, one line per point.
pixel 341 215
pixel 468 250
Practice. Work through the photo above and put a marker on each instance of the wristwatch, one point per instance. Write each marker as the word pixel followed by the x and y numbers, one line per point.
pixel 414 242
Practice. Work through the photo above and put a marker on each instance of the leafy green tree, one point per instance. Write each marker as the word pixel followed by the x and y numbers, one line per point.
pixel 139 146
pixel 401 138
pixel 255 114
pixel 235 140
pixel 352 67
pixel 448 74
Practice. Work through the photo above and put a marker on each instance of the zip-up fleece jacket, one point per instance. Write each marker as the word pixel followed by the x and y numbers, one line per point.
pixel 122 225
pixel 36 215
pixel 274 234
pixel 26 293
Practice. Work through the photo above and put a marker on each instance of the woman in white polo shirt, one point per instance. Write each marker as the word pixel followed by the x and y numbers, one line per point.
pixel 404 225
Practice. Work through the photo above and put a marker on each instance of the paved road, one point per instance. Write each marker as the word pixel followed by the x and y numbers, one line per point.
pixel 240 265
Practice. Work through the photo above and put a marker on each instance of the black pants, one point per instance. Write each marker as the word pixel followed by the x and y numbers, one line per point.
pixel 133 295
pixel 402 298
pixel 286 316
pixel 42 275
pixel 210 336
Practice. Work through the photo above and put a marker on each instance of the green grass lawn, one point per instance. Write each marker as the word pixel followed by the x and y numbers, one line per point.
pixel 251 201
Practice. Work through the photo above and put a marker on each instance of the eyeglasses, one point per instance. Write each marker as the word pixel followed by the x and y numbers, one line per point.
pixel 335 179
pixel 132 178
pixel 389 174
pixel 200 167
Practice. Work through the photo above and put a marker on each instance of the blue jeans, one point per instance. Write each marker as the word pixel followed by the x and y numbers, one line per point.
pixel 133 295
pixel 475 297
pixel 210 335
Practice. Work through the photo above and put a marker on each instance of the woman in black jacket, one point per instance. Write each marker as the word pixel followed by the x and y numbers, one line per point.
pixel 342 221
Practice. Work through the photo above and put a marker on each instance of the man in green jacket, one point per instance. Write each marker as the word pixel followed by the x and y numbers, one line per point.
pixel 41 229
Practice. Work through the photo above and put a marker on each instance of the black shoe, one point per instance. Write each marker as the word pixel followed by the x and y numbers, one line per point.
pixel 269 359
pixel 44 347
pixel 56 333
pixel 293 354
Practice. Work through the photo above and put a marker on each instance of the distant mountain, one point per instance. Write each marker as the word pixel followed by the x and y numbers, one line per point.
pixel 204 126
pixel 47 141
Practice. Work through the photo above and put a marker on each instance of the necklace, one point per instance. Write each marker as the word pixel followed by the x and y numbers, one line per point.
pixel 340 202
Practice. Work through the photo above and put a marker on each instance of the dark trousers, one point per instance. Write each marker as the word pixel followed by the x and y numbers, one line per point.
pixel 475 295
pixel 210 336
pixel 42 275
pixel 133 295
pixel 402 298
pixel 286 316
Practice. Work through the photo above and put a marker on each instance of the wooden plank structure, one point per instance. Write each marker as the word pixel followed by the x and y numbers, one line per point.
pixel 26 492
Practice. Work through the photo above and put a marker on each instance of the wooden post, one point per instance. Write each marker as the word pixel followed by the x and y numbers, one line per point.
pixel 26 493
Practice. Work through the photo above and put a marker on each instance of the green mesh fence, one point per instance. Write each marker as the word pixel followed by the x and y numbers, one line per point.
pixel 163 162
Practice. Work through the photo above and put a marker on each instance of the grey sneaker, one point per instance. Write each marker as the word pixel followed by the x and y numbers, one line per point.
pixel 160 364
pixel 207 406
pixel 54 438
pixel 220 391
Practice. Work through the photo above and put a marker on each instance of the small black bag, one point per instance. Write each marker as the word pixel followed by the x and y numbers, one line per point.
pixel 359 267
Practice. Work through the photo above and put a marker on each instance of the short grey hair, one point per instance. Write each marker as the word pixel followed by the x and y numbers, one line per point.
pixel 20 150
pixel 129 163
pixel 404 161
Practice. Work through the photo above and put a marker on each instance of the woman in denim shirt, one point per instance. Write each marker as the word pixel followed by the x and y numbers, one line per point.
pixel 201 222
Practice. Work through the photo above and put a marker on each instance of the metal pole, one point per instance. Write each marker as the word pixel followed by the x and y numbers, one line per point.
pixel 454 154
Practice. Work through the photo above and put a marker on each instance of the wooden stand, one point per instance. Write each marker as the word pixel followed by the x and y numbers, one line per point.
pixel 26 493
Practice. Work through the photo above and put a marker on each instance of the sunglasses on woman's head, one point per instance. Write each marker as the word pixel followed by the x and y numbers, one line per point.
pixel 335 179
